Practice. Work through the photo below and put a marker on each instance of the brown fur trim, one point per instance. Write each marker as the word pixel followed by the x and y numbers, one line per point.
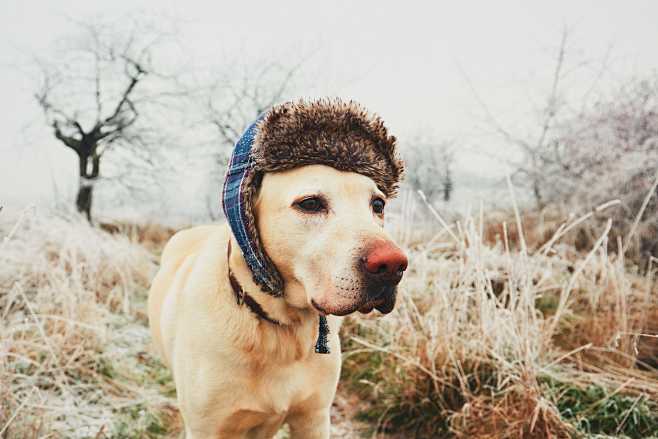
pixel 330 132
pixel 251 184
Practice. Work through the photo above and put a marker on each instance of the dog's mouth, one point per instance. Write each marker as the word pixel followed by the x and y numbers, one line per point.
pixel 384 303
pixel 384 306
pixel 321 310
pixel 381 298
pixel 368 307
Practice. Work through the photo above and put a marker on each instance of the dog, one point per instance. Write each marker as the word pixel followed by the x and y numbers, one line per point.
pixel 247 314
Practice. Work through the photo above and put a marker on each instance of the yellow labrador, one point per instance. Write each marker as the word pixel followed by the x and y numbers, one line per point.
pixel 243 371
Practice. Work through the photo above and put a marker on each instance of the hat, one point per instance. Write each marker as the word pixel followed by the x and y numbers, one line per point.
pixel 328 132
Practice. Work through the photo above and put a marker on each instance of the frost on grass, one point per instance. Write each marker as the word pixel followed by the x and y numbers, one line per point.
pixel 74 342
pixel 508 341
pixel 73 334
pixel 501 331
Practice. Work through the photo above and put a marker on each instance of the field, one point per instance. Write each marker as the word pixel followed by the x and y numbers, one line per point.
pixel 497 334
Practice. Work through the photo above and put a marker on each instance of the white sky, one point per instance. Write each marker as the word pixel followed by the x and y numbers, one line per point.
pixel 403 60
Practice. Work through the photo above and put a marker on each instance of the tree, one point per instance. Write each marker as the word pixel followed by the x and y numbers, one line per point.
pixel 589 149
pixel 235 101
pixel 93 93
pixel 535 149
pixel 429 167
pixel 609 151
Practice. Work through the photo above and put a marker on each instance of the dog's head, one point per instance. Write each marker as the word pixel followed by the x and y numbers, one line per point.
pixel 324 231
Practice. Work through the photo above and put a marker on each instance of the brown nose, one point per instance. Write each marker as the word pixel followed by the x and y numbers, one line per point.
pixel 386 260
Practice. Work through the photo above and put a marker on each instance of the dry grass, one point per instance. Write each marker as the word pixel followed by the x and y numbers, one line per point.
pixel 72 333
pixel 152 236
pixel 492 337
pixel 489 341
pixel 74 345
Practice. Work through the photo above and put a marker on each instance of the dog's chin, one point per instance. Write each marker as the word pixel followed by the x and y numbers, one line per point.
pixel 384 304
pixel 367 308
pixel 332 309
pixel 345 309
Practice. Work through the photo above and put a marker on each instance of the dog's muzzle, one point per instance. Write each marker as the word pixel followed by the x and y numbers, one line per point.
pixel 383 267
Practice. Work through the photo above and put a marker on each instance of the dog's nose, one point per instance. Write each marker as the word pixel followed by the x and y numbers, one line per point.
pixel 386 261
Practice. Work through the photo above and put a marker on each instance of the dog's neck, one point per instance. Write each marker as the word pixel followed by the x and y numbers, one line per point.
pixel 276 310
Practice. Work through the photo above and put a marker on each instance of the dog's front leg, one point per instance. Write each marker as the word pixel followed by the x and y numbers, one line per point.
pixel 313 424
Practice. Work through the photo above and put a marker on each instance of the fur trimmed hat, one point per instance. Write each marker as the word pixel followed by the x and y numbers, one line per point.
pixel 327 132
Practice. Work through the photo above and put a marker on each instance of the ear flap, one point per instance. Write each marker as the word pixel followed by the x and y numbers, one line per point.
pixel 240 187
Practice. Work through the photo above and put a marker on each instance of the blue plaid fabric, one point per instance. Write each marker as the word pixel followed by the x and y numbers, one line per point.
pixel 239 168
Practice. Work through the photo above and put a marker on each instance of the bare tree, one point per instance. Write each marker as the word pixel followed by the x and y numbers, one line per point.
pixel 536 150
pixel 540 156
pixel 607 151
pixel 429 167
pixel 591 148
pixel 92 94
pixel 235 101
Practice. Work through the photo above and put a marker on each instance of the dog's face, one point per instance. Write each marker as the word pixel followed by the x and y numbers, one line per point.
pixel 324 231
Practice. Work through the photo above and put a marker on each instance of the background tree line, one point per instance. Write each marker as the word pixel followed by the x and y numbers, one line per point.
pixel 105 92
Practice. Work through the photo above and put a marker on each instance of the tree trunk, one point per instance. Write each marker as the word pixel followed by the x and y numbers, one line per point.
pixel 86 184
pixel 448 186
pixel 83 200
pixel 537 192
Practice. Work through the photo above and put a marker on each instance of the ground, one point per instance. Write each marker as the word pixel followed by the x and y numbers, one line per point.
pixel 493 337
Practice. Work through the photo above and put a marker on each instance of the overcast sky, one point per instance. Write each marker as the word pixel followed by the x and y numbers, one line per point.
pixel 407 61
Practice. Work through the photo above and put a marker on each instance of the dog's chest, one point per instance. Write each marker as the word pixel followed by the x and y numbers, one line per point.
pixel 265 398
pixel 282 389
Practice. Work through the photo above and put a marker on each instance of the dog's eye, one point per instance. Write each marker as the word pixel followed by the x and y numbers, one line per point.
pixel 311 205
pixel 378 205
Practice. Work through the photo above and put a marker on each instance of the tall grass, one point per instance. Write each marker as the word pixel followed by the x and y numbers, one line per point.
pixel 497 341
pixel 71 342
pixel 501 331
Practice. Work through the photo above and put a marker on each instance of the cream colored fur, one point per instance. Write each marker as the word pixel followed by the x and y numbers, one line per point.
pixel 240 377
